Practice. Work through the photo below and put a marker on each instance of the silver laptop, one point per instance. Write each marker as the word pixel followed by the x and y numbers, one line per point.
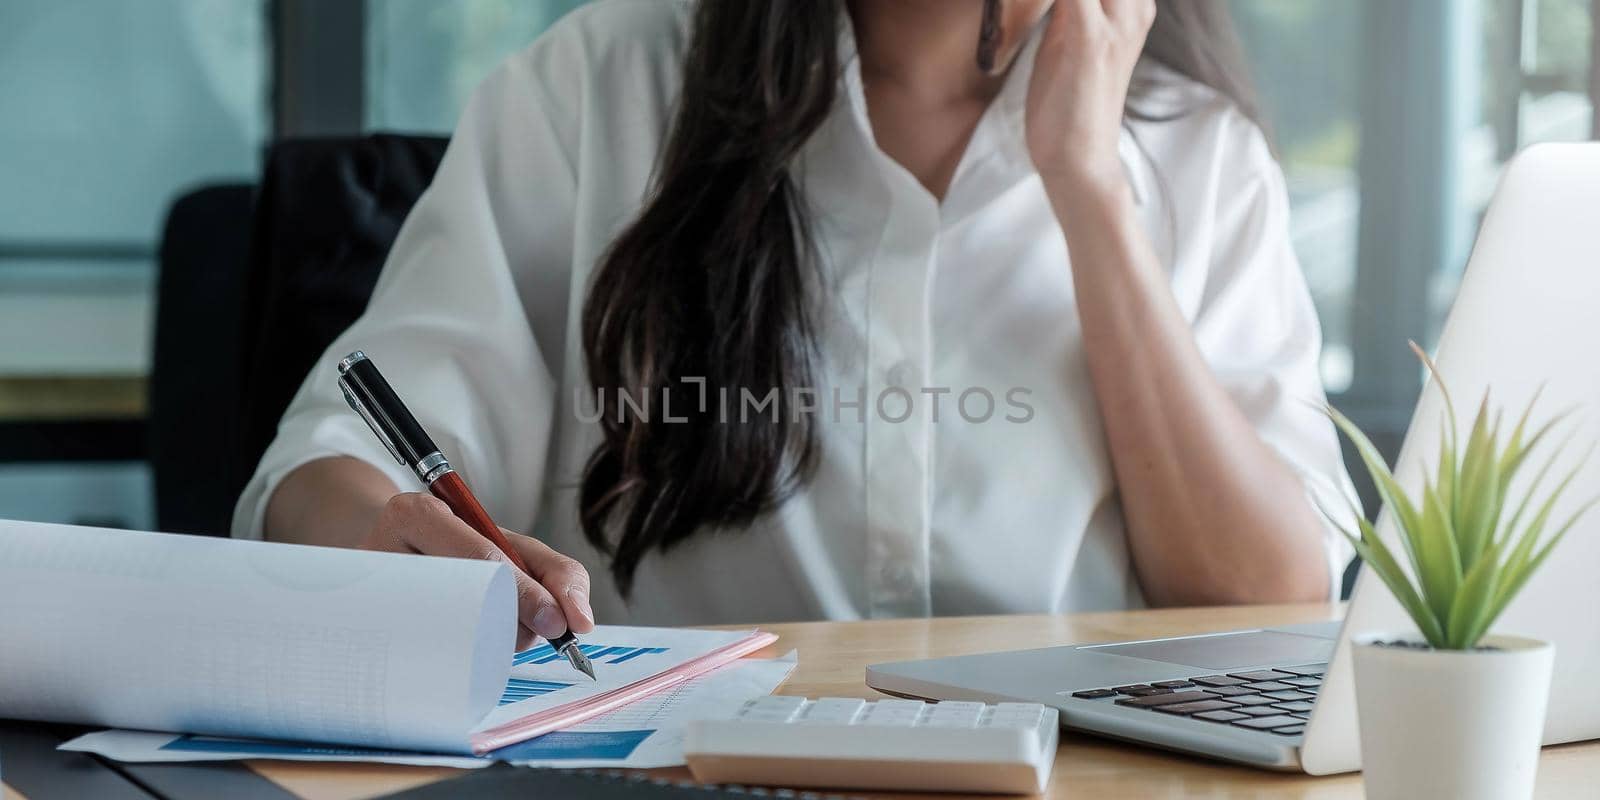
pixel 1528 314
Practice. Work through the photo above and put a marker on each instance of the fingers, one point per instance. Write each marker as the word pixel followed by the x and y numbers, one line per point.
pixel 563 577
pixel 419 523
pixel 537 609
pixel 550 599
pixel 1091 15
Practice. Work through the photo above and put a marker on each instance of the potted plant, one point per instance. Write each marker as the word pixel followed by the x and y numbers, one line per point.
pixel 1447 710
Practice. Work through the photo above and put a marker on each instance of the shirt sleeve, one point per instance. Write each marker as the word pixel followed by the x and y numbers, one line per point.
pixel 1258 329
pixel 446 323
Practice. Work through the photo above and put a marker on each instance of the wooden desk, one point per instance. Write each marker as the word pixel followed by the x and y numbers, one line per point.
pixel 834 656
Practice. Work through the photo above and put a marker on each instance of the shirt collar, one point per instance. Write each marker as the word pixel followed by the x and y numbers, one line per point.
pixel 1009 107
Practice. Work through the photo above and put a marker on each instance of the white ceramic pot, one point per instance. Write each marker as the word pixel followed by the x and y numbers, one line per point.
pixel 1451 723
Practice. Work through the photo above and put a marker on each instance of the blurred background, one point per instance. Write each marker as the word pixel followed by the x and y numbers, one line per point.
pixel 1392 119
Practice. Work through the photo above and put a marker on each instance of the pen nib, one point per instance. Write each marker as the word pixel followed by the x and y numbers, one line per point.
pixel 580 662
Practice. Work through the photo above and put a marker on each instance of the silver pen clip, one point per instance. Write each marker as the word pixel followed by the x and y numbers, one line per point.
pixel 366 414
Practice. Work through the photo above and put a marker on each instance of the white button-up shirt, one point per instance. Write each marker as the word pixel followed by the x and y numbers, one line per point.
pixel 995 496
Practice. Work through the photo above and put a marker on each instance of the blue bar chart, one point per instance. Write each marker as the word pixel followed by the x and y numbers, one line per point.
pixel 598 653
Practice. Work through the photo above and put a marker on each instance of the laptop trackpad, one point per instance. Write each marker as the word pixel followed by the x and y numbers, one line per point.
pixel 1228 650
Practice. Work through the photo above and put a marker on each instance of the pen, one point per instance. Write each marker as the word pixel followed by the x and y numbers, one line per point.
pixel 376 402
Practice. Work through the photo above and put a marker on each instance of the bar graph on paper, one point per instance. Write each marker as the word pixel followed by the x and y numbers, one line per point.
pixel 523 688
pixel 598 653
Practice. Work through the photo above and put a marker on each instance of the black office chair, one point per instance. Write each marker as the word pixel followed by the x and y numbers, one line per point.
pixel 264 287
pixel 193 399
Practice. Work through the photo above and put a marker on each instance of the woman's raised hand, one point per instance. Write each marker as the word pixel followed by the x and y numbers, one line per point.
pixel 1080 84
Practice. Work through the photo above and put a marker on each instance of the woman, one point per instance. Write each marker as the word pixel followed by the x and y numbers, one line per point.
pixel 819 241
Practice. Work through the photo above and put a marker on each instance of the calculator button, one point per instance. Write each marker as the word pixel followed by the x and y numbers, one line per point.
pixel 888 720
pixel 950 722
pixel 1011 721
pixel 963 715
pixel 913 706
pixel 955 713
pixel 1027 708
pixel 767 716
pixel 890 713
pixel 1014 719
pixel 833 711
pixel 777 703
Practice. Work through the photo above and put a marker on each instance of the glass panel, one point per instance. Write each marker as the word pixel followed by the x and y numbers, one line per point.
pixel 424 57
pixel 111 110
pixel 1534 89
pixel 1306 59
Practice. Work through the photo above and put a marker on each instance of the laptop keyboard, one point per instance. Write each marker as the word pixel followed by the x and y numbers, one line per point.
pixel 1277 700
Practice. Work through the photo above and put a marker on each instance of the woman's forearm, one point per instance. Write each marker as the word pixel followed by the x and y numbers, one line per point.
pixel 1213 515
pixel 330 501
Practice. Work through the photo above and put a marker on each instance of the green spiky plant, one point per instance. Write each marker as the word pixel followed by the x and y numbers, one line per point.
pixel 1468 557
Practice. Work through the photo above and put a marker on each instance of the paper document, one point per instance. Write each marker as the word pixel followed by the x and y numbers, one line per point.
pixel 643 734
pixel 240 639
pixel 544 693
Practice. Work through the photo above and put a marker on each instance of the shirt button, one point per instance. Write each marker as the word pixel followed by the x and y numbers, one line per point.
pixel 901 373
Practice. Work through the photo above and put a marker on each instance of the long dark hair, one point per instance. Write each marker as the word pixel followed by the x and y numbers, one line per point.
pixel 716 278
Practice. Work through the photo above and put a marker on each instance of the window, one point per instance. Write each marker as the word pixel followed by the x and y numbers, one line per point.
pixel 95 150
pixel 1366 101
pixel 110 110
pixel 425 57
pixel 1306 58
pixel 1537 57
pixel 1393 122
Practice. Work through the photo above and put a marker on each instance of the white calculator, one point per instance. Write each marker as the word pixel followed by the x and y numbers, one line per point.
pixel 846 743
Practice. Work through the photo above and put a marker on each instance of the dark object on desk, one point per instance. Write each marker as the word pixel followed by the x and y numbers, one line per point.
pixel 33 766
pixel 505 781
pixel 293 277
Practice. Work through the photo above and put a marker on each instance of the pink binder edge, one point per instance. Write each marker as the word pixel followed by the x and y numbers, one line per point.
pixel 565 716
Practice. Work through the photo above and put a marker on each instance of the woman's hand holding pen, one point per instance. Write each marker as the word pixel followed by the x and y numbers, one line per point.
pixel 1079 87
pixel 552 599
